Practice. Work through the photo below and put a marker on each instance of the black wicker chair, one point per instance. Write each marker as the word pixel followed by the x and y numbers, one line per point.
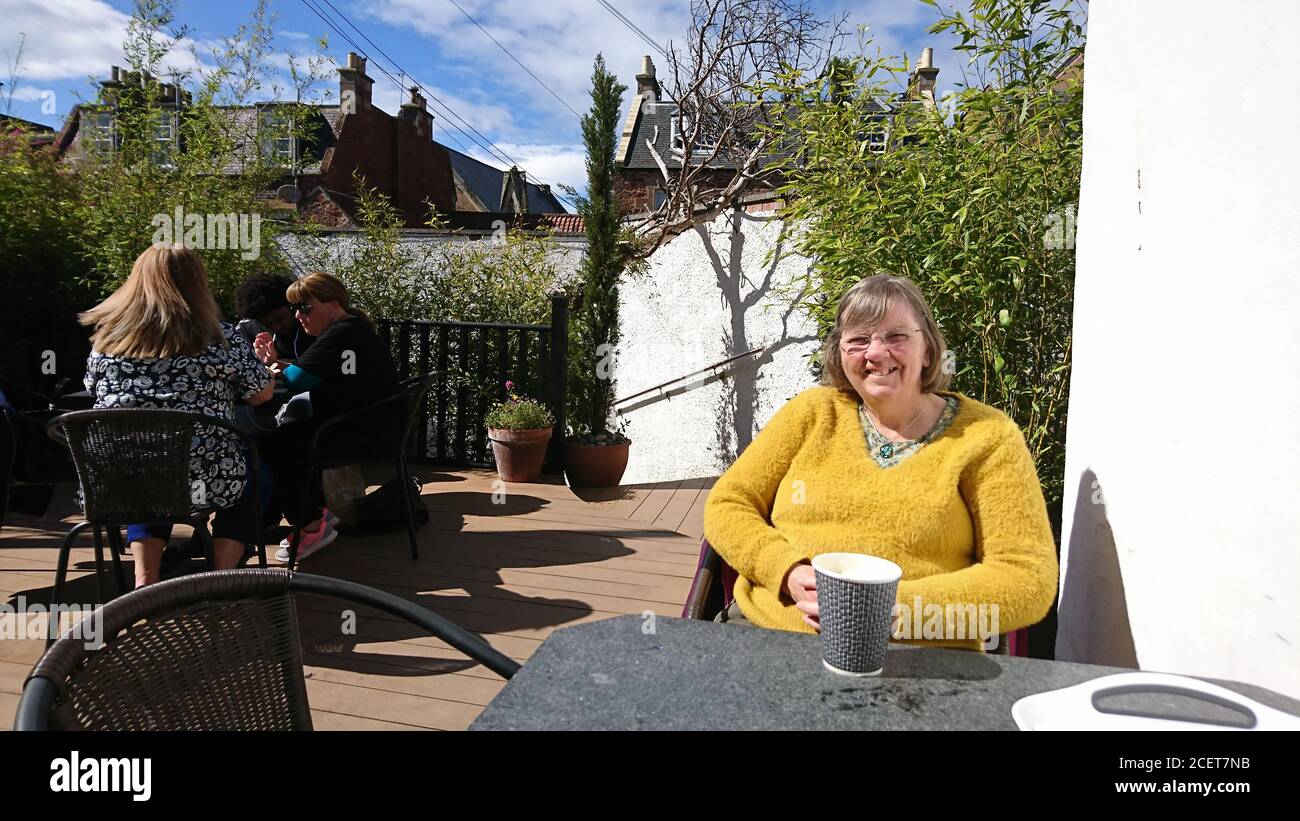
pixel 18 433
pixel 133 466
pixel 410 399
pixel 208 651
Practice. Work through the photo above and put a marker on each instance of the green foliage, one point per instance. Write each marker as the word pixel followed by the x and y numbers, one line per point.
pixel 975 204
pixel 40 253
pixel 167 157
pixel 518 413
pixel 595 329
pixel 505 278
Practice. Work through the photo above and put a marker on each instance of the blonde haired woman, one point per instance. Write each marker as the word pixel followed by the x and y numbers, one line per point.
pixel 881 459
pixel 347 366
pixel 159 342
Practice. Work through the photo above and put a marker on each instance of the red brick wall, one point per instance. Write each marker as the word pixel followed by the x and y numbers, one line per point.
pixel 406 166
pixel 632 189
pixel 423 173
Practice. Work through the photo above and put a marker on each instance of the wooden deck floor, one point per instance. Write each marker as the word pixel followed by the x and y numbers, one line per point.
pixel 511 566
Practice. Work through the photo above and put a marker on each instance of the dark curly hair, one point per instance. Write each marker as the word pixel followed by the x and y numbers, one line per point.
pixel 261 294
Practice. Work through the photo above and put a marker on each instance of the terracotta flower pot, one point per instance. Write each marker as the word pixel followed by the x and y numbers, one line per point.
pixel 595 465
pixel 519 453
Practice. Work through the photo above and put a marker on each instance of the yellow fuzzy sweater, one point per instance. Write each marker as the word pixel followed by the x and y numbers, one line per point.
pixel 963 516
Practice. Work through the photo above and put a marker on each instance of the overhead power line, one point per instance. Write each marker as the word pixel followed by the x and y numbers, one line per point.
pixel 634 28
pixel 516 59
pixel 489 147
pixel 481 141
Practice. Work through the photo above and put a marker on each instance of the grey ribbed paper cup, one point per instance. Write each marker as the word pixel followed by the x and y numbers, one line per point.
pixel 855 597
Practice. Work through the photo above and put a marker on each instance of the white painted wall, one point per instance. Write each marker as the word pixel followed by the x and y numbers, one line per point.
pixel 1184 556
pixel 566 253
pixel 708 296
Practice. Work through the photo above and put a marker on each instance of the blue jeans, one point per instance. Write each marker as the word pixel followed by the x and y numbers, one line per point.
pixel 234 522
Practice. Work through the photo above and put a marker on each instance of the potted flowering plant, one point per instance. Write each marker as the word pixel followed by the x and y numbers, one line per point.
pixel 519 430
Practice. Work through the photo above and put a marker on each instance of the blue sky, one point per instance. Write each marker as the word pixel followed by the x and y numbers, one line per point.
pixel 68 41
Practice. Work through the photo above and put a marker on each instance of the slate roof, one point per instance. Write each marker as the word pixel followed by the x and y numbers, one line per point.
pixel 484 182
pixel 652 115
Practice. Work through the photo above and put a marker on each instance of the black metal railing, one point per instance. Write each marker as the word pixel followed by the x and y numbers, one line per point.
pixel 473 361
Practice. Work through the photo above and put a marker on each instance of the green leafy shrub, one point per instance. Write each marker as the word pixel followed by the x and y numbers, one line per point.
pixel 974 202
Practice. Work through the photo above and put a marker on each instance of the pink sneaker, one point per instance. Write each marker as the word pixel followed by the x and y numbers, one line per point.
pixel 328 516
pixel 312 541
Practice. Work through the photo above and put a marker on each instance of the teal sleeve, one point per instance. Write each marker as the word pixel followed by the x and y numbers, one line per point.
pixel 300 380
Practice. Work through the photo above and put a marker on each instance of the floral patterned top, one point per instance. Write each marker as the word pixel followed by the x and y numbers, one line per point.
pixel 208 383
pixel 887 453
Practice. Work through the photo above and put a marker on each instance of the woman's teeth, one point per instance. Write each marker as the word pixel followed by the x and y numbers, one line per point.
pixel 881 373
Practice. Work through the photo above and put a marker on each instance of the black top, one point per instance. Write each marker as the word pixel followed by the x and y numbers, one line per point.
pixel 355 369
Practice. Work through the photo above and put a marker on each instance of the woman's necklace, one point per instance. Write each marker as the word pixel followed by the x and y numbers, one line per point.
pixel 887 450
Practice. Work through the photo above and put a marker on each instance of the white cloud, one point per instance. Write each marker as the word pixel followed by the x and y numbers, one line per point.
pixel 546 164
pixel 557 40
pixel 550 164
pixel 30 94
pixel 68 40
pixel 65 39
pixel 487 117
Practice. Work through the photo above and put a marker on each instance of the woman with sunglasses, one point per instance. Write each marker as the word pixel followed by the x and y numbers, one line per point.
pixel 881 459
pixel 347 367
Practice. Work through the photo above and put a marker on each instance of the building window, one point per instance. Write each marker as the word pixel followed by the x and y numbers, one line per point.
pixel 700 150
pixel 875 136
pixel 165 139
pixel 101 130
pixel 279 144
pixel 658 197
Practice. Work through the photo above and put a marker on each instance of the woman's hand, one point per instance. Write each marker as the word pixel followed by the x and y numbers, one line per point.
pixel 801 584
pixel 264 347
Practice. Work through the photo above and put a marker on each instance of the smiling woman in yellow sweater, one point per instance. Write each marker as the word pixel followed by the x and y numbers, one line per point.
pixel 881 460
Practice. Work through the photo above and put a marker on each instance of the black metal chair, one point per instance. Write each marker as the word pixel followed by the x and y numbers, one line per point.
pixel 208 651
pixel 133 465
pixel 29 463
pixel 409 398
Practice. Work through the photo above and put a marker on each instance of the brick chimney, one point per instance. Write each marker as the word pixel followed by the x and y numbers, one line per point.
pixel 514 192
pixel 354 85
pixel 646 82
pixel 169 95
pixel 111 87
pixel 416 113
pixel 920 86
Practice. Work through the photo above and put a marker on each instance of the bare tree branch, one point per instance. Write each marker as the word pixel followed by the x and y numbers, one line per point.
pixel 734 47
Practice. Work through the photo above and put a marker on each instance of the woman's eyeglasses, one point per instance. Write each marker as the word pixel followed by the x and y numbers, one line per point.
pixel 302 308
pixel 895 339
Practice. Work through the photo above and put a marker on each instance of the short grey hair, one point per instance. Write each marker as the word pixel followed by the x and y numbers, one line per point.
pixel 865 305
